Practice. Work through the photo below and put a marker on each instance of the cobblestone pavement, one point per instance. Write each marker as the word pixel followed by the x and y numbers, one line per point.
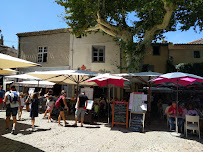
pixel 92 138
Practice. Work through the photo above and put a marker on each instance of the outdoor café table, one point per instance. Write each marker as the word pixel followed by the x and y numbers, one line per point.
pixel 176 117
pixel 182 117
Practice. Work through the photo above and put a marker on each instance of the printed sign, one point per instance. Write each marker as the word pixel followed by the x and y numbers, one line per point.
pixel 89 104
pixel 31 91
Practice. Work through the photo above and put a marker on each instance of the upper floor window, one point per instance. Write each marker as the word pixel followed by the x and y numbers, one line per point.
pixel 98 53
pixel 42 54
pixel 196 54
pixel 156 50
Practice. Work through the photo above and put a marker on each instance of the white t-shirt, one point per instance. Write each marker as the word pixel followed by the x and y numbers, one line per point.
pixel 50 103
pixel 22 100
pixel 50 100
pixel 13 105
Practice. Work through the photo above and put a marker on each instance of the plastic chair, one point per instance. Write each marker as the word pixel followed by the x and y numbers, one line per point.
pixel 164 106
pixel 167 117
pixel 192 123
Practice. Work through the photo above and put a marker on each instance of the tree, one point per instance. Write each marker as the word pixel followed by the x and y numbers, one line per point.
pixel 152 18
pixel 193 68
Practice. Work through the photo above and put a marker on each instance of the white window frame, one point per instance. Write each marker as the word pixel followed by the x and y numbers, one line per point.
pixel 42 50
pixel 99 48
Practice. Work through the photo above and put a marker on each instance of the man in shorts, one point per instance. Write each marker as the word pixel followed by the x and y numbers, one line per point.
pixel 80 108
pixel 11 106
pixel 2 93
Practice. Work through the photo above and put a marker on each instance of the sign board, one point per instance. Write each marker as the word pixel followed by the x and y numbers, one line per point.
pixel 137 122
pixel 120 113
pixel 31 91
pixel 89 104
pixel 136 102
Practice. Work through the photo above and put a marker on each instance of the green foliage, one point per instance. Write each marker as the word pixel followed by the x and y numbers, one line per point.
pixel 82 15
pixel 193 68
pixel 170 67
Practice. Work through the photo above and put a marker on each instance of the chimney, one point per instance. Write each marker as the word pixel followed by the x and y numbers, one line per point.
pixel 2 40
pixel 164 41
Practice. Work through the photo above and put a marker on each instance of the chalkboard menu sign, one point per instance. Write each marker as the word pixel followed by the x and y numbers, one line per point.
pixel 137 122
pixel 120 113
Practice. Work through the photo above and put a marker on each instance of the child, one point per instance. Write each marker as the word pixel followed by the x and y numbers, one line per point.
pixel 22 99
pixel 34 109
pixel 27 102
pixel 50 106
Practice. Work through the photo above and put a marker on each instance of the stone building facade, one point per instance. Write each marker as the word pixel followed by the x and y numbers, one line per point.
pixel 7 50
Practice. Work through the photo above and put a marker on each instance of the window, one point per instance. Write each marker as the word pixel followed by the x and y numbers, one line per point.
pixel 42 54
pixel 98 53
pixel 156 50
pixel 196 54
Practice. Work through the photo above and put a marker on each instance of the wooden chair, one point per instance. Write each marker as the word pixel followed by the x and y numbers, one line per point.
pixel 192 123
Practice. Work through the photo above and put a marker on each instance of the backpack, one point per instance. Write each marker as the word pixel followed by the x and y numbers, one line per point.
pixel 58 103
pixel 13 97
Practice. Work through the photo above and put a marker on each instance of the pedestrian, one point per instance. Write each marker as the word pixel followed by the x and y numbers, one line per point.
pixel 27 102
pixel 50 104
pixel 34 109
pixel 12 103
pixel 80 108
pixel 22 100
pixel 61 108
pixel 2 93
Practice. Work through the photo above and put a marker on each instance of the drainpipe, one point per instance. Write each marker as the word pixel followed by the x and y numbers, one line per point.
pixel 72 50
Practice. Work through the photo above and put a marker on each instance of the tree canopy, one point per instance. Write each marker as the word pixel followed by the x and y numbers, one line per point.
pixel 151 19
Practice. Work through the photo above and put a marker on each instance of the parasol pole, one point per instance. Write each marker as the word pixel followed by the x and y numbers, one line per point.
pixel 177 109
pixel 109 99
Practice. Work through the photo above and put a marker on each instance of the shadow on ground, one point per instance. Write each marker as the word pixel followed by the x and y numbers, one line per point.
pixel 156 125
pixel 8 145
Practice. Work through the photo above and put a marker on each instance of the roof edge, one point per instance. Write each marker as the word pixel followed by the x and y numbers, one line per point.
pixel 44 32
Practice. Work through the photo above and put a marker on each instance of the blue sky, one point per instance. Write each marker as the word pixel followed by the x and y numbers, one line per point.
pixel 19 16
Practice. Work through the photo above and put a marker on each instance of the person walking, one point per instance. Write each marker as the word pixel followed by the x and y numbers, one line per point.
pixel 34 109
pixel 50 104
pixel 80 108
pixel 61 108
pixel 27 102
pixel 22 100
pixel 12 103
pixel 2 93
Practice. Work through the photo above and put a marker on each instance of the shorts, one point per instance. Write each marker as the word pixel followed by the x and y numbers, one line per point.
pixel 61 108
pixel 27 103
pixel 50 108
pixel 1 100
pixel 80 111
pixel 11 111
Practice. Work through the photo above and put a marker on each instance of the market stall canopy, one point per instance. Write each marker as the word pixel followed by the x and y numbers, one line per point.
pixel 7 71
pixel 23 76
pixel 106 79
pixel 7 61
pixel 42 84
pixel 178 78
pixel 65 76
pixel 143 77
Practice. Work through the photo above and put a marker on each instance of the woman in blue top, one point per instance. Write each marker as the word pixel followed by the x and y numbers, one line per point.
pixel 34 109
